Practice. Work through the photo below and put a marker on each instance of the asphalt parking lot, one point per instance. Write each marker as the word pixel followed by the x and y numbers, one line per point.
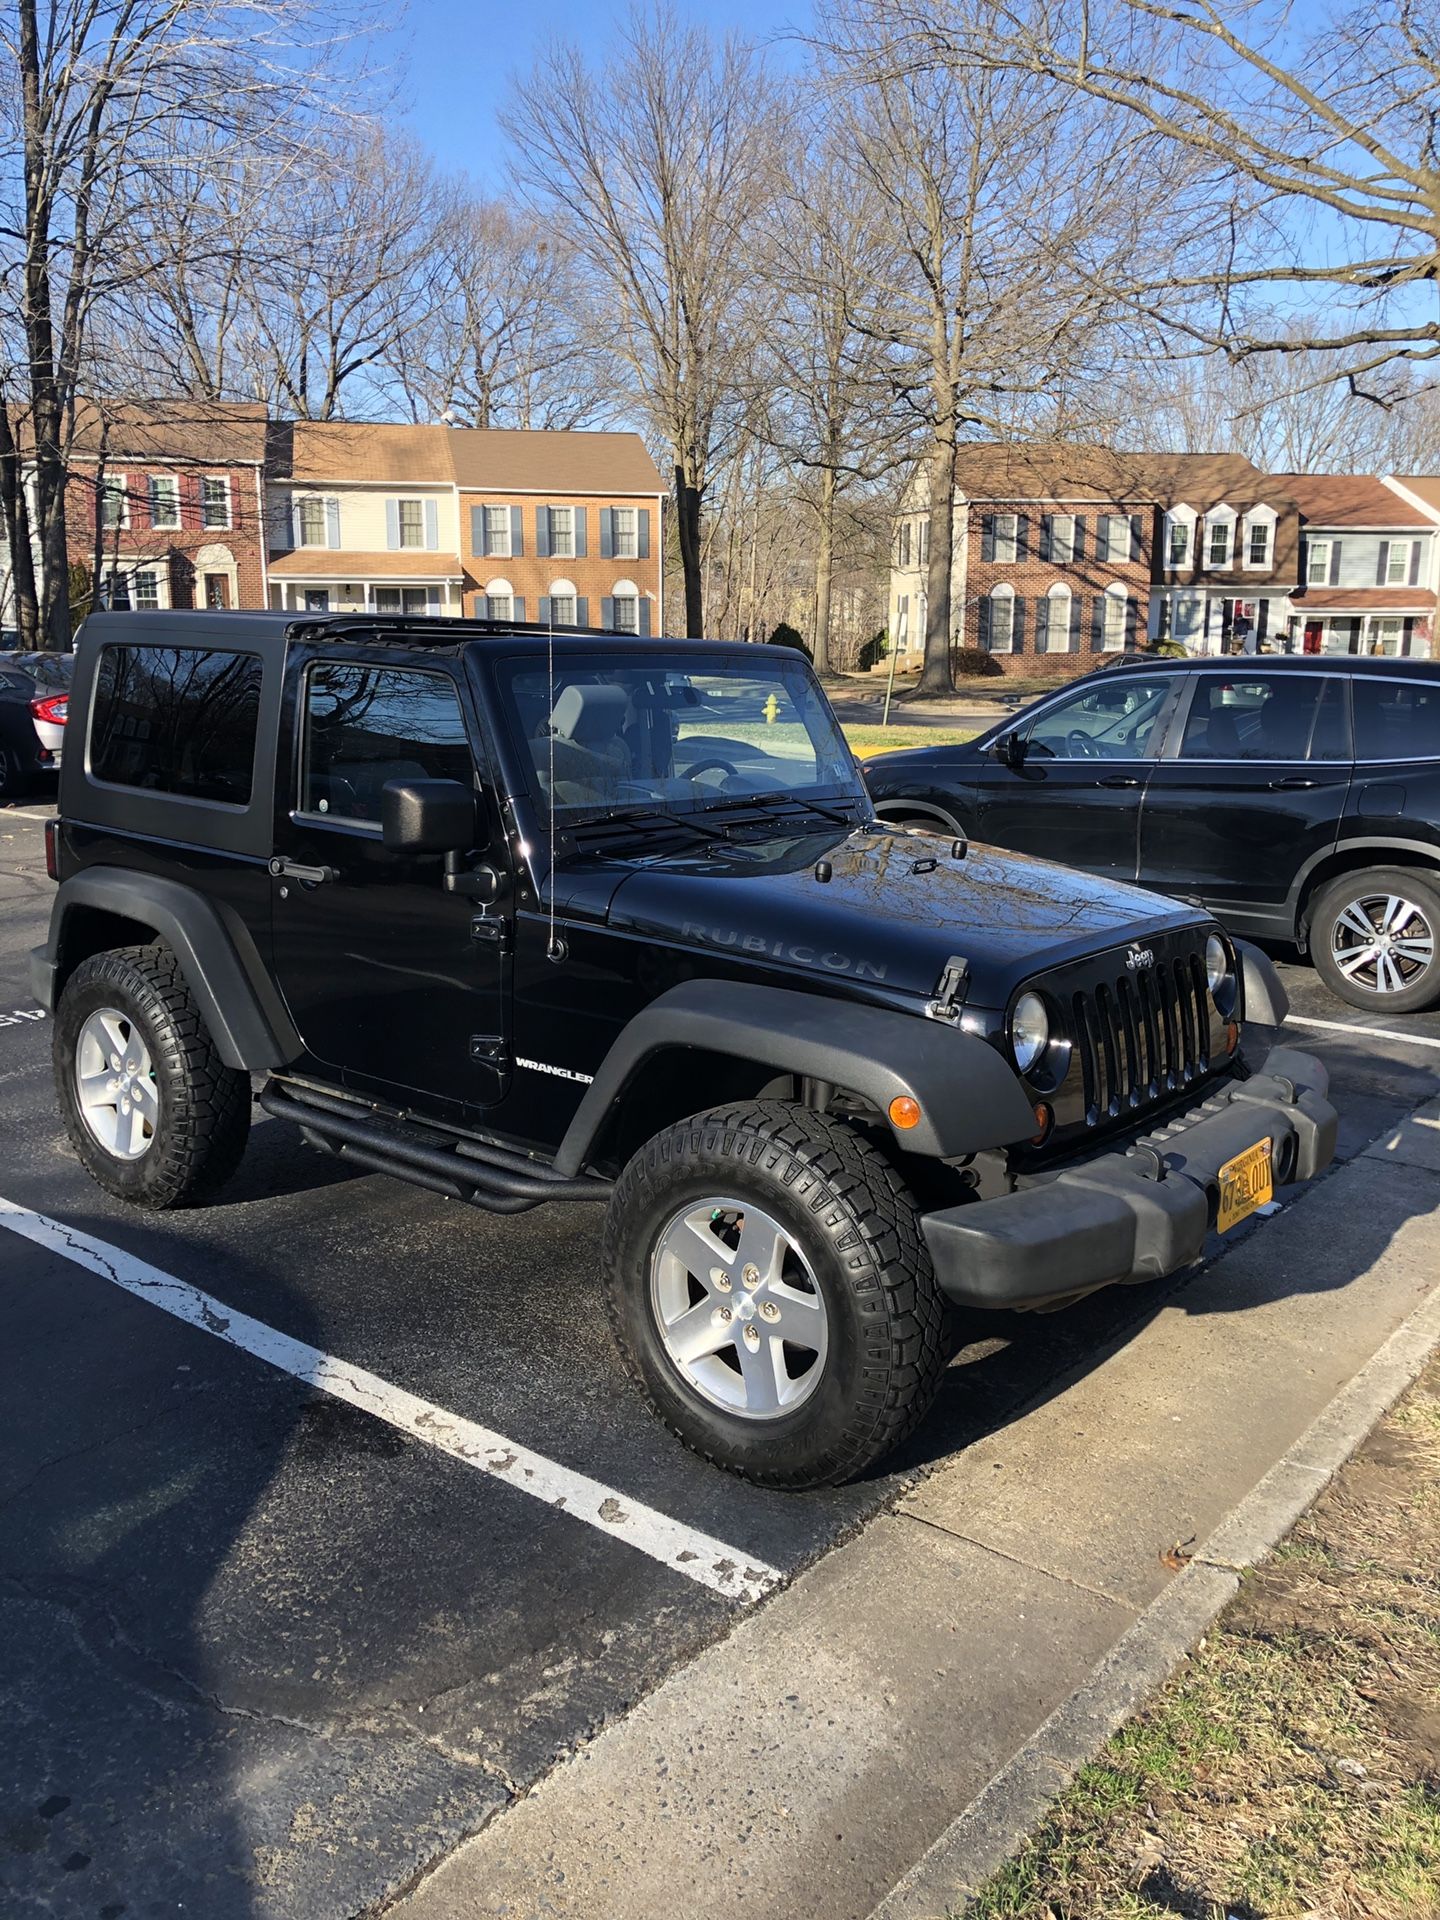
pixel 273 1651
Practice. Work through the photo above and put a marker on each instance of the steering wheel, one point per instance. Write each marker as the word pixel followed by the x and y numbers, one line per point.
pixel 1081 746
pixel 714 760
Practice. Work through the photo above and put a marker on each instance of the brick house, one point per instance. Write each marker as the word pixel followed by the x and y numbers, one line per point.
pixel 562 526
pixel 165 503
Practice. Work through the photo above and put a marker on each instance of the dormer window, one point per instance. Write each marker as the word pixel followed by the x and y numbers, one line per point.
pixel 1179 538
pixel 1219 536
pixel 1259 546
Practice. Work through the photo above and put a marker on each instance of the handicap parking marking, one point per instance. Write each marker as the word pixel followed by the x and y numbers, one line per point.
pixel 1367 1033
pixel 22 1016
pixel 724 1569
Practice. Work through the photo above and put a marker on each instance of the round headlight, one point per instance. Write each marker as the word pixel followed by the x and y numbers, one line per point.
pixel 1029 1030
pixel 1219 975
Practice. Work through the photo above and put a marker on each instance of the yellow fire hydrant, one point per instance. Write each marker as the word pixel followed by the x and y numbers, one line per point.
pixel 772 707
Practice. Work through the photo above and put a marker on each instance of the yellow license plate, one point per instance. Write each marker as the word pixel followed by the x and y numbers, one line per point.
pixel 1246 1182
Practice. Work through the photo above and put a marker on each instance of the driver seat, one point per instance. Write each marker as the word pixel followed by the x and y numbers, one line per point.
pixel 592 761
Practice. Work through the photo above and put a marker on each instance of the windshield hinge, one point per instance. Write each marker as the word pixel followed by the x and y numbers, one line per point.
pixel 950 992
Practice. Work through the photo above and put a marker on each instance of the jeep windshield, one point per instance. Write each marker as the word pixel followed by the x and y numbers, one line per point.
pixel 624 738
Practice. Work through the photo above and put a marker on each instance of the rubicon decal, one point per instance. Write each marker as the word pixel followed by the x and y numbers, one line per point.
pixel 560 1073
pixel 799 954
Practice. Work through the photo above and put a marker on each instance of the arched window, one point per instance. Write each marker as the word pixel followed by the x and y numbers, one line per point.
pixel 562 609
pixel 1117 617
pixel 1052 617
pixel 499 600
pixel 997 632
pixel 624 608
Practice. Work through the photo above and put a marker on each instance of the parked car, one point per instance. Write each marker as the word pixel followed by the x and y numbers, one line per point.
pixel 34 700
pixel 524 918
pixel 1295 799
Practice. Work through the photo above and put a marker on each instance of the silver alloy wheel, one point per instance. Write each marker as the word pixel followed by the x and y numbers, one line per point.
pixel 738 1309
pixel 1382 942
pixel 115 1084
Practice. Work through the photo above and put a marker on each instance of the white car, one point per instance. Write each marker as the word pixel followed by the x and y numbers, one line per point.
pixel 51 699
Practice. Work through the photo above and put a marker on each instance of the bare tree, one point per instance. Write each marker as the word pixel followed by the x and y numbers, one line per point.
pixel 655 170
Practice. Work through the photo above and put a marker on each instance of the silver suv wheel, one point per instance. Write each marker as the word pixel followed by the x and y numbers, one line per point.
pixel 115 1084
pixel 1382 942
pixel 737 1308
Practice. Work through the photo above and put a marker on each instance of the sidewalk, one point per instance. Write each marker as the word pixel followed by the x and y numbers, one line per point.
pixel 798 1770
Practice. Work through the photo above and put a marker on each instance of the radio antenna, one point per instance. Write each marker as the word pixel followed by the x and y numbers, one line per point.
pixel 553 949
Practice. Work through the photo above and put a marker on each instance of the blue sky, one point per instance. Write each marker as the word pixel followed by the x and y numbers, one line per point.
pixel 459 58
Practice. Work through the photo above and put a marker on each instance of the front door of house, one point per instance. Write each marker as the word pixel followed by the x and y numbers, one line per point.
pixel 217 589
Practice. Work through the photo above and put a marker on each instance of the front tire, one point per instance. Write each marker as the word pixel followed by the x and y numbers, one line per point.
pixel 772 1294
pixel 1375 938
pixel 153 1112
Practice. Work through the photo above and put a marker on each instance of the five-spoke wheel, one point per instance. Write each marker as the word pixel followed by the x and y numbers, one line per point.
pixel 1374 939
pixel 115 1084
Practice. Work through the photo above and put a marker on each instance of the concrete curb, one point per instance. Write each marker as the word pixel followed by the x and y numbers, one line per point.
pixel 1016 1798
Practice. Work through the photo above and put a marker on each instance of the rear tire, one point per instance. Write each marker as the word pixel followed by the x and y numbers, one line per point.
pixel 1375 939
pixel 166 1126
pixel 804 1335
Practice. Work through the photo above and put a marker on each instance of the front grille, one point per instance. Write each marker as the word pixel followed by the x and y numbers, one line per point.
pixel 1141 1035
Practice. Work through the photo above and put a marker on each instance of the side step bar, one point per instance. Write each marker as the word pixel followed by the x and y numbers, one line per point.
pixel 494 1178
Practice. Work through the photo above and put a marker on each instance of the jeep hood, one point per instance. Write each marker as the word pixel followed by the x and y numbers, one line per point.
pixel 894 909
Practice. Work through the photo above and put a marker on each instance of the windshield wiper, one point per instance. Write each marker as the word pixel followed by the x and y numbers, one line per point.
pixel 628 819
pixel 770 802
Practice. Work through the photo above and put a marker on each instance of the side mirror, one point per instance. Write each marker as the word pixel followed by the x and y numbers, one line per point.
pixel 1009 750
pixel 427 816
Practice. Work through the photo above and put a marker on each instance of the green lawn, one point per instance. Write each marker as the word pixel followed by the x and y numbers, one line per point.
pixel 868 740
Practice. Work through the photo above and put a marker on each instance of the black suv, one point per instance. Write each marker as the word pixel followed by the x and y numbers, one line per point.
pixel 524 918
pixel 1296 799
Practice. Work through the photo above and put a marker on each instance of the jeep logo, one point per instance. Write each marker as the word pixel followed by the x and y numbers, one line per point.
pixel 1138 957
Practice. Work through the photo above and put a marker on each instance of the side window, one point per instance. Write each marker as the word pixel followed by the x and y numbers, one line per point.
pixel 1396 719
pixel 1264 718
pixel 1112 720
pixel 178 720
pixel 367 725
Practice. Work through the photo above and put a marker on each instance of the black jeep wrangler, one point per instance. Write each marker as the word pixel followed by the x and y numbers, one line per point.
pixel 524 917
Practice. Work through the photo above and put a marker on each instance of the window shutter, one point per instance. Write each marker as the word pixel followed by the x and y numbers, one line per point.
pixel 192 501
pixel 1097 624
pixel 1042 615
pixel 1045 523
pixel 982 623
pixel 1022 536
pixel 1078 552
pixel 332 523
pixel 1135 537
pixel 517 532
pixel 1102 536
pixel 517 604
pixel 644 616
pixel 478 543
pixel 582 532
pixel 1414 563
pixel 607 610
pixel 987 537
pixel 642 538
pixel 295 535
pixel 392 524
pixel 1076 616
pixel 432 525
pixel 544 610
pixel 1017 625
pixel 582 611
pixel 1334 563
pixel 542 532
pixel 432 601
pixel 1383 563
pixel 1132 608
pixel 607 536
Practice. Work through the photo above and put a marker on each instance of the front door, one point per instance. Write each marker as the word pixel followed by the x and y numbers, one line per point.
pixel 393 982
pixel 1075 795
pixel 1247 789
pixel 217 589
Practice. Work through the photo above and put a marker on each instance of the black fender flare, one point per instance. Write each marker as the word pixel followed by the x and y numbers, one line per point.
pixel 969 1098
pixel 1264 999
pixel 242 1011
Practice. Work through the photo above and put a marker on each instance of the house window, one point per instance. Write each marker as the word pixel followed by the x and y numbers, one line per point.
pixel 1117 606
pixel 497 538
pixel 1317 563
pixel 1217 550
pixel 625 532
pixel 1057 617
pixel 627 613
pixel 312 522
pixel 1062 539
pixel 1007 544
pixel 164 500
pixel 904 543
pixel 114 503
pixel 147 589
pixel 1001 636
pixel 1178 546
pixel 1397 565
pixel 922 543
pixel 1117 536
pixel 562 610
pixel 1257 553
pixel 412 522
pixel 214 501
pixel 499 594
pixel 562 532
pixel 117 591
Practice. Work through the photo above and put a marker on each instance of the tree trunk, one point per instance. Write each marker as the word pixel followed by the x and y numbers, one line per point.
pixel 15 511
pixel 824 569
pixel 687 529
pixel 937 676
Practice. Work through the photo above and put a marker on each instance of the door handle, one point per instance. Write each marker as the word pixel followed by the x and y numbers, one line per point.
pixel 1120 780
pixel 1292 783
pixel 284 869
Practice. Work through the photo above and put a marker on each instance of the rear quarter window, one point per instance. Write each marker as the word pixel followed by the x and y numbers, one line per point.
pixel 1396 719
pixel 177 720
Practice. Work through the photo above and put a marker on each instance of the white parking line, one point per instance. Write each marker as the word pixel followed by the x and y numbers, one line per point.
pixel 18 813
pixel 1370 1033
pixel 683 1549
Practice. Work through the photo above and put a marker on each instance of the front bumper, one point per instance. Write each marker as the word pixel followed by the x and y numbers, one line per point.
pixel 1138 1214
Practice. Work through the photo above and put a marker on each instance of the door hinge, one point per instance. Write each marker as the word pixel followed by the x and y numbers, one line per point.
pixel 951 990
pixel 489 1047
pixel 495 932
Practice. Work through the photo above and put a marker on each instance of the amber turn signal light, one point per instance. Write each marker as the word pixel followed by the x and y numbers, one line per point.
pixel 1232 1036
pixel 904 1112
pixel 1044 1120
